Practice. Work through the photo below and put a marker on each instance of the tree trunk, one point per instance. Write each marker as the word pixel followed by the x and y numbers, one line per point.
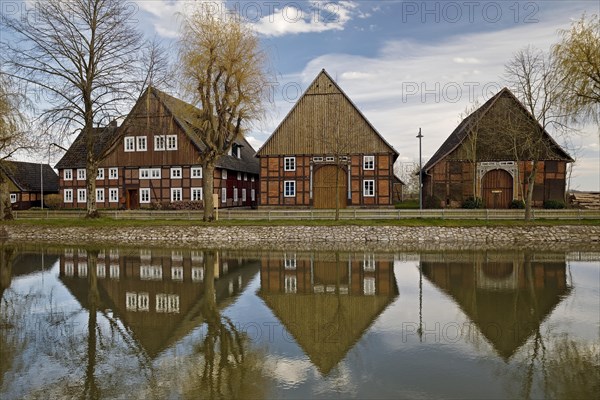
pixel 90 387
pixel 208 184
pixel 90 184
pixel 5 204
pixel 530 185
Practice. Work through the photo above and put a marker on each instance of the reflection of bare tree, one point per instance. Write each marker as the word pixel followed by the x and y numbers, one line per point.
pixel 227 370
pixel 10 315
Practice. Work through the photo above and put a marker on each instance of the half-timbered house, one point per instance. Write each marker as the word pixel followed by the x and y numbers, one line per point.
pixel 28 183
pixel 153 159
pixel 326 154
pixel 489 156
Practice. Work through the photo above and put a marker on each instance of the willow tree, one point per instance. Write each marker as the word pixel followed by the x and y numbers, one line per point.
pixel 83 55
pixel 578 61
pixel 224 71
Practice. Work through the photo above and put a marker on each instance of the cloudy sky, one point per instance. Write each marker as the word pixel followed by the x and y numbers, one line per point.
pixel 406 64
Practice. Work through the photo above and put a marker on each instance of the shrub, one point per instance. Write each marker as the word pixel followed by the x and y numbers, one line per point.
pixel 517 204
pixel 554 204
pixel 52 201
pixel 473 202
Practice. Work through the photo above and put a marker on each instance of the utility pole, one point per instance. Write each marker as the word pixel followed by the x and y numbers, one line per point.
pixel 420 136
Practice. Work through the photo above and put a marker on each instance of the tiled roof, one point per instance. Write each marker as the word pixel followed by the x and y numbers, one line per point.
pixel 461 132
pixel 75 156
pixel 27 176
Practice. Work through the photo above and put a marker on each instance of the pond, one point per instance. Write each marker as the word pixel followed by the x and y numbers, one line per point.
pixel 121 323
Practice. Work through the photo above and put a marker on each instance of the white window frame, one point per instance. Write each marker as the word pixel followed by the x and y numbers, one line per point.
pixel 155 173
pixel 113 195
pixel 194 194
pixel 100 195
pixel 68 174
pixel 224 174
pixel 289 261
pixel 369 192
pixel 176 194
pixel 177 273
pixel 197 274
pixel 289 163
pixel 144 173
pixel 369 262
pixel 369 163
pixel 243 195
pixel 176 172
pixel 235 194
pixel 160 143
pixel 141 143
pixel 290 284
pixel 81 174
pixel 144 195
pixel 100 174
pixel 245 177
pixel 252 178
pixel 223 195
pixel 129 144
pixel 81 195
pixel 289 188
pixel 239 176
pixel 171 141
pixel 68 196
pixel 196 172
pixel 253 194
pixel 13 198
pixel 113 173
pixel 369 286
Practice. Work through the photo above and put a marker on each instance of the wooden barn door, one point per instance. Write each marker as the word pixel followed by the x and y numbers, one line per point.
pixel 497 189
pixel 324 187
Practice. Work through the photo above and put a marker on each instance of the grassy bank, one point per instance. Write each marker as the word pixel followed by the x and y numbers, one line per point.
pixel 110 223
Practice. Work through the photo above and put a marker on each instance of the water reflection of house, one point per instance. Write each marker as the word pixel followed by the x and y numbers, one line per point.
pixel 327 301
pixel 15 263
pixel 156 294
pixel 507 295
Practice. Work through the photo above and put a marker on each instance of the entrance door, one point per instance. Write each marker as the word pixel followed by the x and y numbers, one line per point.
pixel 497 189
pixel 324 185
pixel 132 199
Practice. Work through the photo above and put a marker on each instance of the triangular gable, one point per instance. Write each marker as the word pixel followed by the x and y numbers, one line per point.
pixel 459 134
pixel 307 128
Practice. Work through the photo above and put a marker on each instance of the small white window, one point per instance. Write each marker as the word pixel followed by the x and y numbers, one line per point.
pixel 369 162
pixel 68 194
pixel 291 284
pixel 252 178
pixel 131 301
pixel 100 174
pixel 196 172
pixel 369 263
pixel 289 261
pixel 239 176
pixel 176 194
pixel 177 273
pixel 101 270
pixel 142 144
pixel 197 274
pixel 114 271
pixel 318 159
pixel 196 194
pixel 171 142
pixel 113 173
pixel 244 195
pixel 155 173
pixel 113 195
pixel 143 302
pixel 159 143
pixel 176 173
pixel 68 174
pixel 69 268
pixel 13 197
pixel 100 195
pixel 145 195
pixel 129 143
pixel 289 163
pixel 253 195
pixel 223 195
pixel 369 286
pixel 289 189
pixel 330 159
pixel 245 176
pixel 81 174
pixel 144 173
pixel 369 188
pixel 224 174
pixel 82 269
pixel 81 195
pixel 235 194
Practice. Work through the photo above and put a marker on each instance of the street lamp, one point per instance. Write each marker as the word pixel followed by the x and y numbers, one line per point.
pixel 420 172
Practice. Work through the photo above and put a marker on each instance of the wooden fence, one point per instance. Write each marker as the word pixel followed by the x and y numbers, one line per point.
pixel 347 214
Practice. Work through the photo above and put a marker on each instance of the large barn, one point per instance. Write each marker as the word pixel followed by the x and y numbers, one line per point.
pixel 489 156
pixel 326 154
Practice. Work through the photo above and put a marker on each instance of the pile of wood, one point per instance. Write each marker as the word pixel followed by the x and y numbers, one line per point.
pixel 585 200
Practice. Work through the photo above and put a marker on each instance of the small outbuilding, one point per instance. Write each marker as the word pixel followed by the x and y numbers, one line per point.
pixel 28 183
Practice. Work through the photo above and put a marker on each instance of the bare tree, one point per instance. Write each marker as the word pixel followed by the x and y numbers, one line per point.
pixel 224 69
pixel 83 55
pixel 532 76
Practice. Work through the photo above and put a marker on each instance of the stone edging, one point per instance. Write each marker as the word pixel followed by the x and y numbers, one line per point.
pixel 313 236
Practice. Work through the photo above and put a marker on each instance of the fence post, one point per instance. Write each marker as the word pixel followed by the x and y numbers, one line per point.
pixel 269 215
pixel 487 214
